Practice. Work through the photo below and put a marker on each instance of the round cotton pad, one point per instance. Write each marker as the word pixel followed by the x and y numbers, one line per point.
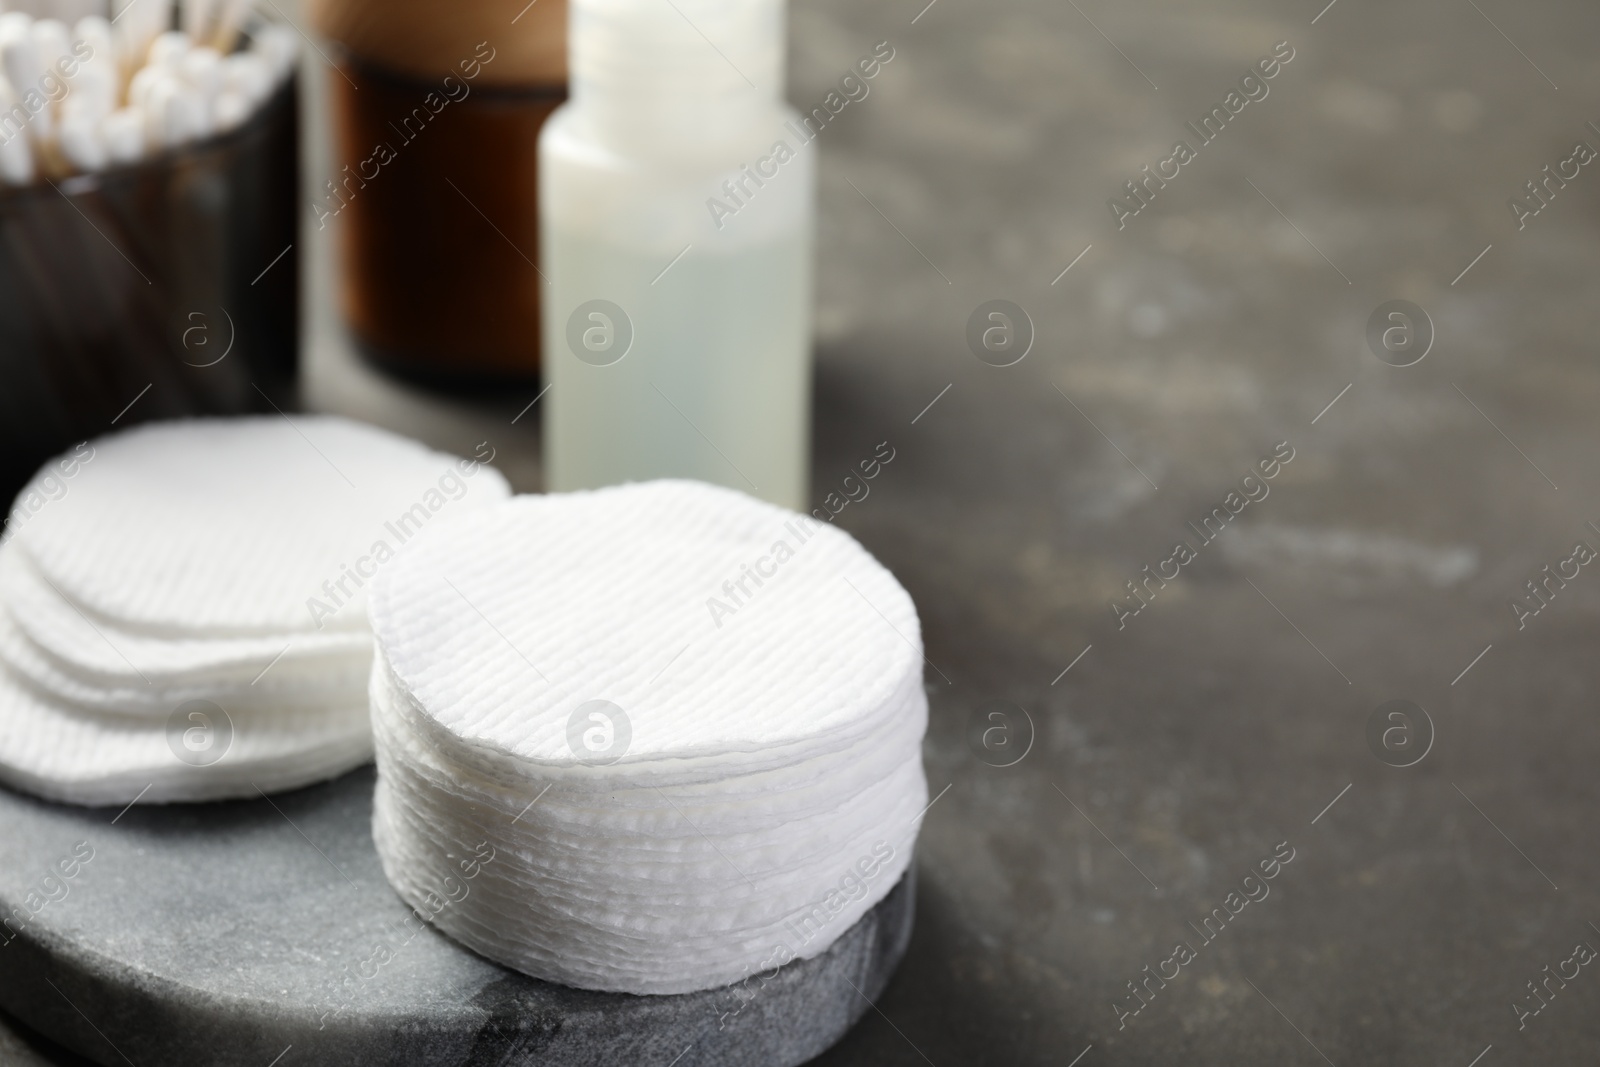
pixel 689 721
pixel 105 649
pixel 61 752
pixel 231 525
pixel 503 623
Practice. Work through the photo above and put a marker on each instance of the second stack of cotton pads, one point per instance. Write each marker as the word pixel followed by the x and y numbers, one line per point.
pixel 182 612
pixel 649 739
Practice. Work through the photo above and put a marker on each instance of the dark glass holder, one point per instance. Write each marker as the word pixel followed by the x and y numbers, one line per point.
pixel 159 289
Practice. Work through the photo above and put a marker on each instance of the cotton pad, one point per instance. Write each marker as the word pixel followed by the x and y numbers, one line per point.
pixel 182 605
pixel 687 723
pixel 343 680
pixel 61 752
pixel 103 647
pixel 229 525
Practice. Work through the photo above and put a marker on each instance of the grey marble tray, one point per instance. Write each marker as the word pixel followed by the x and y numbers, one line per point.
pixel 263 933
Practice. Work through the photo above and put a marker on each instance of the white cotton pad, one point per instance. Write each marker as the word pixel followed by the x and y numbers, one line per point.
pixel 828 638
pixel 183 605
pixel 106 651
pixel 766 790
pixel 259 688
pixel 230 525
pixel 64 753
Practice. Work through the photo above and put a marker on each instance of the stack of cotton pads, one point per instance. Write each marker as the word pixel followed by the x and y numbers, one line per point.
pixel 182 605
pixel 650 739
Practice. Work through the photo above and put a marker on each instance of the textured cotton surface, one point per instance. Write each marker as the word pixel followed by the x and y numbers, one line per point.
pixel 107 649
pixel 182 605
pixel 227 524
pixel 768 786
pixel 60 752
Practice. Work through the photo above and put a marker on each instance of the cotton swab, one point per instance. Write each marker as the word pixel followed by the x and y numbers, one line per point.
pixel 230 16
pixel 80 138
pixel 19 55
pixel 196 19
pixel 202 68
pixel 122 132
pixel 168 48
pixel 95 31
pixel 52 41
pixel 98 72
pixel 16 154
pixel 246 73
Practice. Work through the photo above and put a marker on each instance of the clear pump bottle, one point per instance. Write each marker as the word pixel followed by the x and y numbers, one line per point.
pixel 676 205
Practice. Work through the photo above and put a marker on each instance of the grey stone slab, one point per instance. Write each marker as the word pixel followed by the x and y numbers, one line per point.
pixel 228 934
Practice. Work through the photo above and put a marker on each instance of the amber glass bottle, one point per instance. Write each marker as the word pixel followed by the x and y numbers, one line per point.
pixel 437 109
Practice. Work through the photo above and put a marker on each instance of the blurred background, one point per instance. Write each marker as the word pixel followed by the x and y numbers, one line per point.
pixel 1422 160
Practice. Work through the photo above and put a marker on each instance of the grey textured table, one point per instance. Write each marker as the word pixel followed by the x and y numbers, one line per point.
pixel 1178 751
